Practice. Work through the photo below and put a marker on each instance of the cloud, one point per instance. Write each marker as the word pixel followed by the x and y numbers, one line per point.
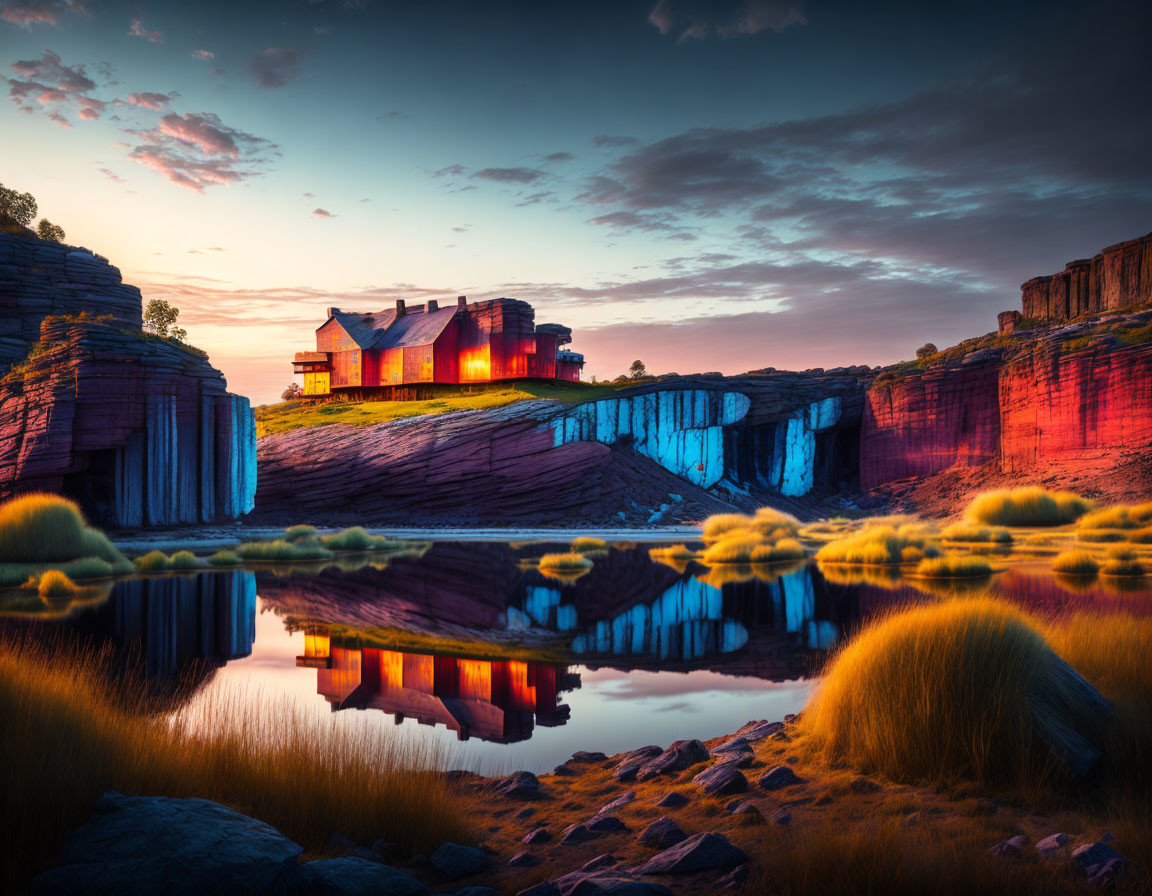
pixel 111 175
pixel 153 101
pixel 203 54
pixel 610 141
pixel 27 13
pixel 322 213
pixel 47 82
pixel 724 18
pixel 510 175
pixel 136 29
pixel 275 67
pixel 633 221
pixel 197 151
pixel 557 157
pixel 449 171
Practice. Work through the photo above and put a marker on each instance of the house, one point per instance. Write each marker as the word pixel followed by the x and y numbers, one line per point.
pixel 463 343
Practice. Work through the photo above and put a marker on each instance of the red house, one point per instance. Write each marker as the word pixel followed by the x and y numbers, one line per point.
pixel 478 343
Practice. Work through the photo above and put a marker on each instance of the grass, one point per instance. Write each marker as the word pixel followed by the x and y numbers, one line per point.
pixel 677 553
pixel 281 551
pixel 567 562
pixel 185 560
pixel 1027 506
pixel 54 583
pixel 295 533
pixel 89 568
pixel 588 545
pixel 158 561
pixel 953 566
pixel 940 694
pixel 224 558
pixel 1076 563
pixel 1122 516
pixel 881 545
pixel 721 525
pixel 969 533
pixel 785 550
pixel 1122 561
pixel 70 734
pixel 153 561
pixel 292 415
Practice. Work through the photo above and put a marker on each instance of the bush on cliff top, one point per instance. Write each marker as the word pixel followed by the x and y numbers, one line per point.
pixel 948 692
pixel 1027 506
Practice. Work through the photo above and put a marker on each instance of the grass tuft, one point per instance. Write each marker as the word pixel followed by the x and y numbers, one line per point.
pixel 881 545
pixel 570 561
pixel 88 568
pixel 953 566
pixel 281 551
pixel 1027 506
pixel 153 561
pixel 224 558
pixel 588 545
pixel 185 560
pixel 295 533
pixel 54 583
pixel 967 532
pixel 1122 561
pixel 1075 563
pixel 722 525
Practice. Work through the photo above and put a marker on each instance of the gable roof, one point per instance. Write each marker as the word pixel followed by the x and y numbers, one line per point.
pixel 419 328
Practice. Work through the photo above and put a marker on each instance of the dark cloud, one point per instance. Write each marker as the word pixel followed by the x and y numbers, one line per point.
pixel 558 157
pixel 510 175
pixel 27 13
pixel 609 141
pixel 449 171
pixel 724 18
pixel 276 66
pixel 633 221
pixel 136 28
pixel 197 150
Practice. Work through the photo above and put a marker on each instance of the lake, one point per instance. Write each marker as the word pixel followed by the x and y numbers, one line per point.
pixel 469 647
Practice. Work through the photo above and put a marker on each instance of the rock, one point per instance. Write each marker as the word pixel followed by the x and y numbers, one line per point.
pixel 1012 848
pixel 736 744
pixel 700 852
pixel 623 800
pixel 630 764
pixel 519 786
pixel 526 812
pixel 180 847
pixel 1117 276
pixel 1052 846
pixel 606 883
pixel 749 811
pixel 576 833
pixel 455 861
pixel 1098 861
pixel 755 731
pixel 781 817
pixel 583 757
pixel 735 878
pixel 547 888
pixel 536 835
pixel 661 833
pixel 672 800
pixel 863 785
pixel 606 824
pixel 779 777
pixel 524 860
pixel 679 756
pixel 605 860
pixel 721 779
pixel 344 844
pixel 353 876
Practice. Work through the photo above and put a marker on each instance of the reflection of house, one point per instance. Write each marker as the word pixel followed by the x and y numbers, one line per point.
pixel 496 700
pixel 461 343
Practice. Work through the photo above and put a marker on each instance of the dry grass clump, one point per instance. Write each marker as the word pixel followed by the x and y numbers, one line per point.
pixel 1122 516
pixel 586 544
pixel 224 557
pixel 737 548
pixel 785 550
pixel 1075 563
pixel 153 561
pixel 281 551
pixel 54 583
pixel 942 693
pixel 295 533
pixel 158 561
pixel 565 562
pixel 769 536
pixel 674 552
pixel 1122 561
pixel 69 735
pixel 775 524
pixel 1027 506
pixel 721 525
pixel 881 546
pixel 1101 536
pixel 954 566
pixel 967 532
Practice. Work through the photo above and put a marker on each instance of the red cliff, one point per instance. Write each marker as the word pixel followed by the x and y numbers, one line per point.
pixel 1115 278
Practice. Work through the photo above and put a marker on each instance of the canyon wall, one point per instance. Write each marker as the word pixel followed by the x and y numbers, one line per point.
pixel 1115 278
pixel 140 430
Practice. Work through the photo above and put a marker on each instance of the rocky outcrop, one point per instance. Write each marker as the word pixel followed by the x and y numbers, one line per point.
pixel 1117 277
pixel 140 430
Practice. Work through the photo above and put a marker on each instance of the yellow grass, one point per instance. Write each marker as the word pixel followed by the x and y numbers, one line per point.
pixel 1027 506
pixel 737 548
pixel 1076 563
pixel 721 525
pixel 785 550
pixel 564 562
pixel 1122 516
pixel 880 546
pixel 938 694
pixel 1122 561
pixel 69 735
pixel 585 544
pixel 54 583
pixel 953 566
pixel 967 532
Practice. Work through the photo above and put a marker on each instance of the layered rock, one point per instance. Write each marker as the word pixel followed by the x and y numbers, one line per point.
pixel 140 430
pixel 1115 278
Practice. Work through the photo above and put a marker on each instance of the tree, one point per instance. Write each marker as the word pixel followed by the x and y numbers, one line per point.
pixel 160 318
pixel 46 230
pixel 926 350
pixel 19 207
pixel 637 370
pixel 293 391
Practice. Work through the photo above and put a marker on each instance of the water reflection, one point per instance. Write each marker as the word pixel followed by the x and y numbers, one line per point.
pixel 470 642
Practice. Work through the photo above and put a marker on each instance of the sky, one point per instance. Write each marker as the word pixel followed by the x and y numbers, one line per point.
pixel 704 186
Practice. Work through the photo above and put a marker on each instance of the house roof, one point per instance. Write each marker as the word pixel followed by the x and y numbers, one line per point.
pixel 419 328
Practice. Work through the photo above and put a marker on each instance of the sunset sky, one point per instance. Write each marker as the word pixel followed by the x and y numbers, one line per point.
pixel 705 186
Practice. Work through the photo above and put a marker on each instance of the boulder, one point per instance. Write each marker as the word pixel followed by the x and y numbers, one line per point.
pixel 661 833
pixel 537 835
pixel 631 763
pixel 721 779
pixel 623 800
pixel 605 860
pixel 679 756
pixel 607 883
pixel 524 860
pixel 1098 861
pixel 519 786
pixel 700 852
pixel 755 731
pixel 180 847
pixel 605 824
pixel 354 876
pixel 455 861
pixel 1012 848
pixel 779 777
pixel 672 800
pixel 583 757
pixel 1053 846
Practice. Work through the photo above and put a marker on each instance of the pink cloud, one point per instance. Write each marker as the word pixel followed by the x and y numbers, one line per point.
pixel 137 29
pixel 40 12
pixel 148 100
pixel 203 54
pixel 322 213
pixel 202 132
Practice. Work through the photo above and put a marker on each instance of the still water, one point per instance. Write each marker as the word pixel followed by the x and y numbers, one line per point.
pixel 468 646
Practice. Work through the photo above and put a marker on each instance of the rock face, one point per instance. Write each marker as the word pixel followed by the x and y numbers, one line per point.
pixel 139 430
pixel 1117 277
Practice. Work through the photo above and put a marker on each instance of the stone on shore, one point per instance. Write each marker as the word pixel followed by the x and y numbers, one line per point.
pixel 631 763
pixel 680 755
pixel 1012 848
pixel 700 852
pixel 662 833
pixel 519 786
pixel 672 800
pixel 778 777
pixel 455 861
pixel 354 876
pixel 721 779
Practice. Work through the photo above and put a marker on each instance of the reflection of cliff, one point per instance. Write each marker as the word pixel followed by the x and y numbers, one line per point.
pixel 495 700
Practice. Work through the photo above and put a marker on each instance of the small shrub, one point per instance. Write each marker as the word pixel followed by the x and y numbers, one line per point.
pixel 967 532
pixel 720 525
pixel 879 545
pixel 185 560
pixel 1122 516
pixel 224 558
pixel 295 533
pixel 1101 536
pixel 356 539
pixel 1122 561
pixel 45 528
pixel 54 583
pixel 774 524
pixel 1027 506
pixel 953 566
pixel 153 561
pixel 281 551
pixel 674 552
pixel 737 548
pixel 562 562
pixel 1076 563
pixel 88 568
pixel 586 544
pixel 784 550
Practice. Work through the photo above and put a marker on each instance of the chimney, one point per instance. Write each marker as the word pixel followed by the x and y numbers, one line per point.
pixel 399 307
pixel 332 312
pixel 461 301
pixel 433 305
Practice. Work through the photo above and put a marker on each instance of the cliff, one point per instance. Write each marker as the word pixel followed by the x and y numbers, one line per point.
pixel 1115 278
pixel 138 429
